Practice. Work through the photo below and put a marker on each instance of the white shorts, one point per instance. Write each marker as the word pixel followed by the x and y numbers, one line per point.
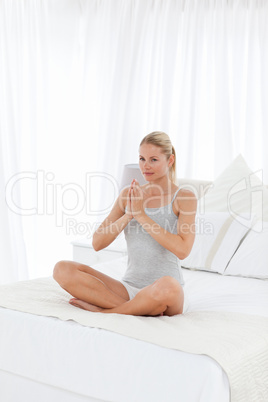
pixel 132 291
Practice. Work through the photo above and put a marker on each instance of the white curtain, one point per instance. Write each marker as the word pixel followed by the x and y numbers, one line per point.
pixel 82 81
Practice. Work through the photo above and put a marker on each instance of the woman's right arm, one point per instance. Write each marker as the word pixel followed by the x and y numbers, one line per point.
pixel 115 222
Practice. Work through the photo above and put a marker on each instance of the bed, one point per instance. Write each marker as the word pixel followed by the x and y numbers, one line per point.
pixel 216 351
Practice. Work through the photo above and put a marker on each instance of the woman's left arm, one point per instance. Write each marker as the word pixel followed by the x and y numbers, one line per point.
pixel 181 243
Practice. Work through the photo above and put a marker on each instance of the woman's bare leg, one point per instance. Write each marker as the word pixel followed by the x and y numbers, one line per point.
pixel 164 296
pixel 89 285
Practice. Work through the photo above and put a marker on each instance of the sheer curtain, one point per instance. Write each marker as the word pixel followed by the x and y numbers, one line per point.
pixel 82 81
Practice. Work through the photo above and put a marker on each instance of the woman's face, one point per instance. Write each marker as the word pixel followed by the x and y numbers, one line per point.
pixel 153 163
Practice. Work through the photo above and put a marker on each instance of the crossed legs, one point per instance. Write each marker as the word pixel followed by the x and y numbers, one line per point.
pixel 95 291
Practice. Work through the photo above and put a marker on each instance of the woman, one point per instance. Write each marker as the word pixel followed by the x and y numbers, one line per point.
pixel 158 220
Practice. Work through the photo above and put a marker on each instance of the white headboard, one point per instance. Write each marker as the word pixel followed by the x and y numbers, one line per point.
pixel 198 187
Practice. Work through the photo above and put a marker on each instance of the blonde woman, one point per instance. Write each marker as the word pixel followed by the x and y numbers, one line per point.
pixel 158 220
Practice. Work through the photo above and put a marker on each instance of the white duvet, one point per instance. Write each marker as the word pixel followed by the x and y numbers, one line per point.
pixel 226 319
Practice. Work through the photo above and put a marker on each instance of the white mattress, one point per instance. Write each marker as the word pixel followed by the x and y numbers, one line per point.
pixel 96 363
pixel 105 365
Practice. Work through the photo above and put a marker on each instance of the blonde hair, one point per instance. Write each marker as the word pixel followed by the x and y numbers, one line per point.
pixel 162 140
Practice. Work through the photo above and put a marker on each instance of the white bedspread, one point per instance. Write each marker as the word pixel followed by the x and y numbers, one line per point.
pixel 237 341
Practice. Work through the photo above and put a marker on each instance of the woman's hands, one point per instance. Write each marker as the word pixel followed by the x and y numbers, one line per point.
pixel 135 200
pixel 120 216
pixel 128 210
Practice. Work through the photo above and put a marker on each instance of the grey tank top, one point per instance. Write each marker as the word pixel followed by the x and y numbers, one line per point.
pixel 147 259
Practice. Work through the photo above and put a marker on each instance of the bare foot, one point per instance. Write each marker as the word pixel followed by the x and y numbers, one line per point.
pixel 84 305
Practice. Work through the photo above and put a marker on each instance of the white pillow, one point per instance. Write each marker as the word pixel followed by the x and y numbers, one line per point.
pixel 239 191
pixel 251 258
pixel 217 238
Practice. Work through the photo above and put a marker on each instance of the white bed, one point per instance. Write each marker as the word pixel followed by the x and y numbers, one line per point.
pixel 100 364
pixel 46 358
pixel 64 361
